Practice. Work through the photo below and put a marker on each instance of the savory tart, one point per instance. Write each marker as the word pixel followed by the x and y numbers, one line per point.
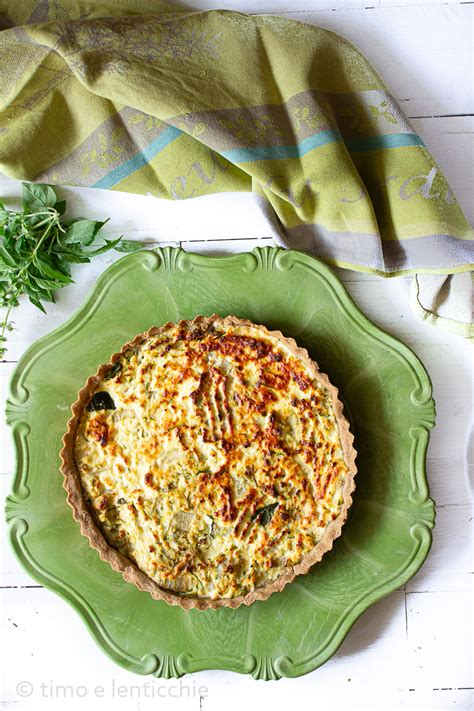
pixel 209 462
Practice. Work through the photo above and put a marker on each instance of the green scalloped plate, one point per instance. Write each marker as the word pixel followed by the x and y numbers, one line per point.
pixel 387 397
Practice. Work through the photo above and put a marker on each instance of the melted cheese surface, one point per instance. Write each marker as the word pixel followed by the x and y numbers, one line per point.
pixel 211 457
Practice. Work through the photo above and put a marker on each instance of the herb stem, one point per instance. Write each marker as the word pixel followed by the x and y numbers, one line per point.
pixel 6 325
pixel 41 240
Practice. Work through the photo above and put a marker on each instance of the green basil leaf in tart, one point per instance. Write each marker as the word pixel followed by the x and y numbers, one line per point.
pixel 264 515
pixel 101 401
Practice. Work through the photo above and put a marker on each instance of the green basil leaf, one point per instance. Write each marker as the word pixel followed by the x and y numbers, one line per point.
pixel 77 258
pixel 127 245
pixel 6 257
pixel 37 196
pixel 109 244
pixel 82 232
pixel 46 284
pixel 61 207
pixel 36 302
pixel 38 293
pixel 73 253
pixel 17 245
pixel 101 401
pixel 50 271
pixel 264 515
pixel 113 370
pixel 63 264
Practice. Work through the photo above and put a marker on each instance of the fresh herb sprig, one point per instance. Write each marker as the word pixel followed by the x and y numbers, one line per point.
pixel 38 246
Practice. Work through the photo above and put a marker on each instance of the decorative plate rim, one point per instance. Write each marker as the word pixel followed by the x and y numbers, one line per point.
pixel 264 667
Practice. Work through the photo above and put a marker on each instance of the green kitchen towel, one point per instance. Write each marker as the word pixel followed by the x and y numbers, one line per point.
pixel 146 97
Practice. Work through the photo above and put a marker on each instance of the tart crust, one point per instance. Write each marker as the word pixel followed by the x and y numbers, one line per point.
pixel 131 573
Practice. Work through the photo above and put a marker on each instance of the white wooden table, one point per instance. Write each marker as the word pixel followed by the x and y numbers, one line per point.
pixel 413 649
